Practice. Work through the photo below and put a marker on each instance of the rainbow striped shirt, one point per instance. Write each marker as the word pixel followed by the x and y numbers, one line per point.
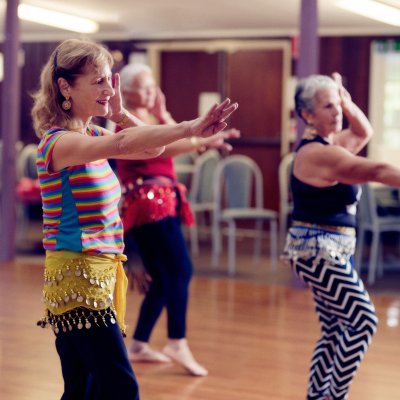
pixel 80 203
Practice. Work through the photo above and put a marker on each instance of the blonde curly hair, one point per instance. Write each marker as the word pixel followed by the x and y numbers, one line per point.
pixel 68 61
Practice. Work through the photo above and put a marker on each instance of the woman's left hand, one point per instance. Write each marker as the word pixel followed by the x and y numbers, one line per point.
pixel 343 93
pixel 116 111
pixel 159 110
pixel 218 140
pixel 214 120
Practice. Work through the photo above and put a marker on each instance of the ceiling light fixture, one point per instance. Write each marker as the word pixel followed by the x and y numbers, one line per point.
pixel 372 9
pixel 57 19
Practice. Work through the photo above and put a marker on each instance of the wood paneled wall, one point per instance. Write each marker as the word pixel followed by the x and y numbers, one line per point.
pixel 184 75
pixel 36 56
pixel 350 56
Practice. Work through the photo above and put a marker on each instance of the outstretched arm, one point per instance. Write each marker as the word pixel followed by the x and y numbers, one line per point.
pixel 187 145
pixel 76 149
pixel 360 130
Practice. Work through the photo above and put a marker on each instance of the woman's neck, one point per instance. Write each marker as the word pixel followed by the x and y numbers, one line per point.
pixel 80 124
pixel 328 137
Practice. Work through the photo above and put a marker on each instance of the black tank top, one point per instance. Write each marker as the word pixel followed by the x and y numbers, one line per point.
pixel 335 205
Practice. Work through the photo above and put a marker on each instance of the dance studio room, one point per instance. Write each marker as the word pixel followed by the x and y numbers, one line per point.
pixel 200 199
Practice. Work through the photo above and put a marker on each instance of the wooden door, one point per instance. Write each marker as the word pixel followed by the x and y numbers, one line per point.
pixel 251 78
pixel 184 75
pixel 254 80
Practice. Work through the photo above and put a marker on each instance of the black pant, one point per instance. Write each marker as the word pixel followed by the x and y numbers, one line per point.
pixel 95 364
pixel 163 250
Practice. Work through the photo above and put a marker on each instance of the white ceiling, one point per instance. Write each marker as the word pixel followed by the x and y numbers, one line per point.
pixel 189 19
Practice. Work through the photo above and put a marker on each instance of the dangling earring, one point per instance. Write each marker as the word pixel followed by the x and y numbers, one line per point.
pixel 66 104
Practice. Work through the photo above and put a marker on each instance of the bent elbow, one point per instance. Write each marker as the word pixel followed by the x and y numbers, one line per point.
pixel 379 172
pixel 155 152
pixel 121 145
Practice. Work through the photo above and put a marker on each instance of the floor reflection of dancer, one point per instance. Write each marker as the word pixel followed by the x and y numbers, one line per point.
pixel 82 229
pixel 320 244
pixel 153 203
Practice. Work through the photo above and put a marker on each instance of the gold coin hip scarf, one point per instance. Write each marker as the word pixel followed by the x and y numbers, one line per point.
pixel 88 281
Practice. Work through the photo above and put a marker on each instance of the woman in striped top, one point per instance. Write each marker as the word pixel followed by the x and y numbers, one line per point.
pixel 85 285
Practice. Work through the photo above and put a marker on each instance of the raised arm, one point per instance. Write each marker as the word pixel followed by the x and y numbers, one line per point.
pixel 360 130
pixel 323 166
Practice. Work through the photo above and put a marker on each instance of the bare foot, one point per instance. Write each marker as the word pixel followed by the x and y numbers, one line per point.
pixel 141 352
pixel 179 351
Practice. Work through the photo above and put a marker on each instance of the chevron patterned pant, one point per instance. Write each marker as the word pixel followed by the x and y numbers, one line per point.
pixel 348 321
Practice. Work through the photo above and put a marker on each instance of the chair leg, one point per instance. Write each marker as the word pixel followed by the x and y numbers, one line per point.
pixel 231 247
pixel 215 243
pixel 359 250
pixel 282 228
pixel 374 257
pixel 194 240
pixel 257 242
pixel 379 271
pixel 273 227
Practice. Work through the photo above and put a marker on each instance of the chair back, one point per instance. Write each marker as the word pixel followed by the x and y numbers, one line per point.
pixel 285 169
pixel 367 210
pixel 234 177
pixel 201 190
pixel 27 162
pixel 184 165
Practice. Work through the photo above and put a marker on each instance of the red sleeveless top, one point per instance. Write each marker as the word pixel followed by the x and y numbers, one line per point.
pixel 129 170
pixel 151 192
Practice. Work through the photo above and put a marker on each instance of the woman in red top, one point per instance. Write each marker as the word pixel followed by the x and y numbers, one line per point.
pixel 153 205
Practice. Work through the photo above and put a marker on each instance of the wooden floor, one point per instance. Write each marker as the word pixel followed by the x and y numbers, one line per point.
pixel 255 339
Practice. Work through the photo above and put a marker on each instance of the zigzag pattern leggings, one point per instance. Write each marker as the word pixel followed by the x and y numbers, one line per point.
pixel 348 321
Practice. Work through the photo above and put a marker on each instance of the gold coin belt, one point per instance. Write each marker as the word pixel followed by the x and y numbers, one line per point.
pixel 76 284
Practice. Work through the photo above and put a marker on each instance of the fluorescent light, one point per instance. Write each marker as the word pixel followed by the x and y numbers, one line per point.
pixel 57 19
pixel 372 9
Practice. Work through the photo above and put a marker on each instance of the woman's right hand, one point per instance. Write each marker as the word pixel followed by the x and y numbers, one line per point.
pixel 213 121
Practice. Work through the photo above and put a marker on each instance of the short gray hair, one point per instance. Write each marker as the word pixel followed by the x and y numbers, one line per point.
pixel 307 88
pixel 129 72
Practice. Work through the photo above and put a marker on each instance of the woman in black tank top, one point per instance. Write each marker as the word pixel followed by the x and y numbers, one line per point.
pixel 321 242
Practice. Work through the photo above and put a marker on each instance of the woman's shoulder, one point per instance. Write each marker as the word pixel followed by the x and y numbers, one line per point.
pixel 51 134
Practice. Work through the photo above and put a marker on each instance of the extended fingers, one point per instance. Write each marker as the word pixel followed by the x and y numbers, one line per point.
pixel 232 133
pixel 224 104
pixel 337 78
pixel 227 112
pixel 116 82
pixel 218 127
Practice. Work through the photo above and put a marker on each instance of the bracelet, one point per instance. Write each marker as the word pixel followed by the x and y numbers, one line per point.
pixel 196 146
pixel 122 122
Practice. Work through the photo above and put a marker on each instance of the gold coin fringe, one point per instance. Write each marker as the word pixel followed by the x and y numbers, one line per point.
pixel 66 321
